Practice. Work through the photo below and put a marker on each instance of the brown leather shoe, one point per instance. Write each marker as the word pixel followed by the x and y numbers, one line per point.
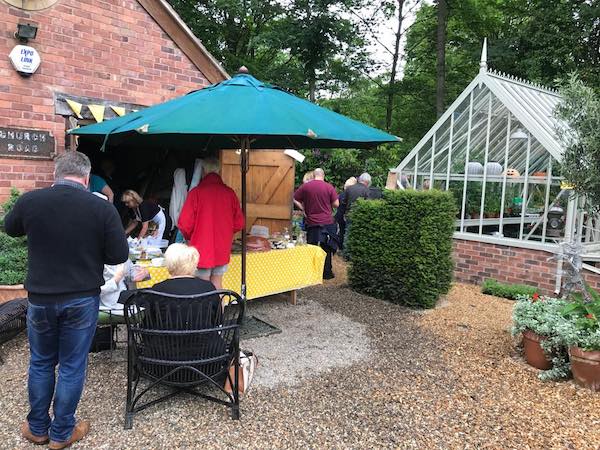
pixel 79 431
pixel 27 434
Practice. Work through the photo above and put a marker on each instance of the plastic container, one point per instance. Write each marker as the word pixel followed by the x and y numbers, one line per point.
pixel 259 230
pixel 474 168
pixel 162 243
pixel 158 262
pixel 493 168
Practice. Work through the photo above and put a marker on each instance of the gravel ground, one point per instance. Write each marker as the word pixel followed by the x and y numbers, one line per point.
pixel 303 333
pixel 445 378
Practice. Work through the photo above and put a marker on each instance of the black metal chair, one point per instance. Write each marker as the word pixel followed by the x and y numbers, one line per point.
pixel 13 319
pixel 183 343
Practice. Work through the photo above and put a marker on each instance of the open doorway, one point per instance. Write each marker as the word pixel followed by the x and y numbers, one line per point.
pixel 148 172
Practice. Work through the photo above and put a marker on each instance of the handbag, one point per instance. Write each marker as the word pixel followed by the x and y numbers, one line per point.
pixel 248 364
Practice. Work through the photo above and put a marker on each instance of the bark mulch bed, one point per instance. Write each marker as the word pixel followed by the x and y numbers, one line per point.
pixel 445 378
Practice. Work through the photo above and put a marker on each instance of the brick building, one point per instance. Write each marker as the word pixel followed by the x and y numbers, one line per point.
pixel 98 58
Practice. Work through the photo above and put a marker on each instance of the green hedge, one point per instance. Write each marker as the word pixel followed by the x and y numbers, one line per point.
pixel 401 246
pixel 510 291
pixel 13 251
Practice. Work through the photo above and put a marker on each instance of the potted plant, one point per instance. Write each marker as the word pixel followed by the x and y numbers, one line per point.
pixel 13 259
pixel 581 332
pixel 473 199
pixel 537 319
pixel 492 205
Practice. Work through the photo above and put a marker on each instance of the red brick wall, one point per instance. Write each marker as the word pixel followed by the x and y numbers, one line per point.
pixel 477 261
pixel 107 49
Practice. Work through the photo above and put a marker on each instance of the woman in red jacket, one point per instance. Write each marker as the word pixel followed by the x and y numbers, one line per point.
pixel 211 215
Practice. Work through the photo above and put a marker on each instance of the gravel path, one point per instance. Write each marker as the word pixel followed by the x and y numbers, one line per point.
pixel 446 378
pixel 303 350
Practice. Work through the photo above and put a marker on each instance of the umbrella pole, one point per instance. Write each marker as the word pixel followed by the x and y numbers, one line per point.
pixel 244 168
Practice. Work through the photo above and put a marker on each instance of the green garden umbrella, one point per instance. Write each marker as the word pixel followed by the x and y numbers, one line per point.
pixel 240 113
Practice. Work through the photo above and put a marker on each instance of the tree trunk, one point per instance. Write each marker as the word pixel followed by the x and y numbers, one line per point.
pixel 395 57
pixel 312 75
pixel 440 91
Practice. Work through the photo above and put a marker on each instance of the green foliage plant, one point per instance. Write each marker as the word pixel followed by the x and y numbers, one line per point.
pixel 544 316
pixel 9 203
pixel 581 327
pixel 505 290
pixel 401 246
pixel 563 323
pixel 579 115
pixel 13 251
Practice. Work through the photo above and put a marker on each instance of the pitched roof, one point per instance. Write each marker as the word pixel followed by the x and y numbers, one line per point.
pixel 180 33
pixel 531 104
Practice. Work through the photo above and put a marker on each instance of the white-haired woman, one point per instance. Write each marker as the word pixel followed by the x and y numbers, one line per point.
pixel 182 261
pixel 144 212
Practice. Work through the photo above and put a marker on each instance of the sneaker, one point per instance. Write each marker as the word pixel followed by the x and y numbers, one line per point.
pixel 81 429
pixel 27 434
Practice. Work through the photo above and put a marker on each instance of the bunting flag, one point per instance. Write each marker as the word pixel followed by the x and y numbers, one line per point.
pixel 76 107
pixel 97 111
pixel 119 110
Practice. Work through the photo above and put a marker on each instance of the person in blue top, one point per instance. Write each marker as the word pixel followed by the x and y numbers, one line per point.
pixel 98 184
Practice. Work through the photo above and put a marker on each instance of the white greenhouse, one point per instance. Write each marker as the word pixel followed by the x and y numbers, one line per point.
pixel 496 149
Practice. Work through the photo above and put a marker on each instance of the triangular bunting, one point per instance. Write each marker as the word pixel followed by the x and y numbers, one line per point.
pixel 97 111
pixel 119 110
pixel 75 107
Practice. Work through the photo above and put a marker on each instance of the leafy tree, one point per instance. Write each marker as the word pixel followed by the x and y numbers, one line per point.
pixel 580 111
pixel 538 40
pixel 243 32
pixel 328 46
pixel 303 45
pixel 391 89
pixel 543 40
pixel 442 18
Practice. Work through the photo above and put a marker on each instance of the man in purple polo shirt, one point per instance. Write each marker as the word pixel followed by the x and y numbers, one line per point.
pixel 316 199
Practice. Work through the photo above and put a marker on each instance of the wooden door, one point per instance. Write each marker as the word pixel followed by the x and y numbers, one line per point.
pixel 270 183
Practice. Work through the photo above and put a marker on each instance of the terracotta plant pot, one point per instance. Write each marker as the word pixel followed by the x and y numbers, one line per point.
pixel 585 367
pixel 534 354
pixel 8 292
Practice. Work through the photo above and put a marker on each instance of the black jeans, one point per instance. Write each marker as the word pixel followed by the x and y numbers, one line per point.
pixel 314 236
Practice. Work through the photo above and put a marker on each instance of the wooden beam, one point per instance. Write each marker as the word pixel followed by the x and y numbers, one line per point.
pixel 269 211
pixel 274 158
pixel 166 17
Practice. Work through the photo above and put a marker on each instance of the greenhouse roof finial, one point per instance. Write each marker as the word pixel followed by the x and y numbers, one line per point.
pixel 483 63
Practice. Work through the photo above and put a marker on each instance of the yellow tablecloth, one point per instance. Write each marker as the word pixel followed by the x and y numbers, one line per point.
pixel 268 273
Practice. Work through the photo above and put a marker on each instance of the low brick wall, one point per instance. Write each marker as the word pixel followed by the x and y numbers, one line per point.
pixel 477 261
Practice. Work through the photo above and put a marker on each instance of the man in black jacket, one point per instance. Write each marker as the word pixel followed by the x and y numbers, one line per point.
pixel 71 234
pixel 359 190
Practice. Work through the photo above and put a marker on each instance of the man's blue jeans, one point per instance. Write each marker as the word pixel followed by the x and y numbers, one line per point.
pixel 58 334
